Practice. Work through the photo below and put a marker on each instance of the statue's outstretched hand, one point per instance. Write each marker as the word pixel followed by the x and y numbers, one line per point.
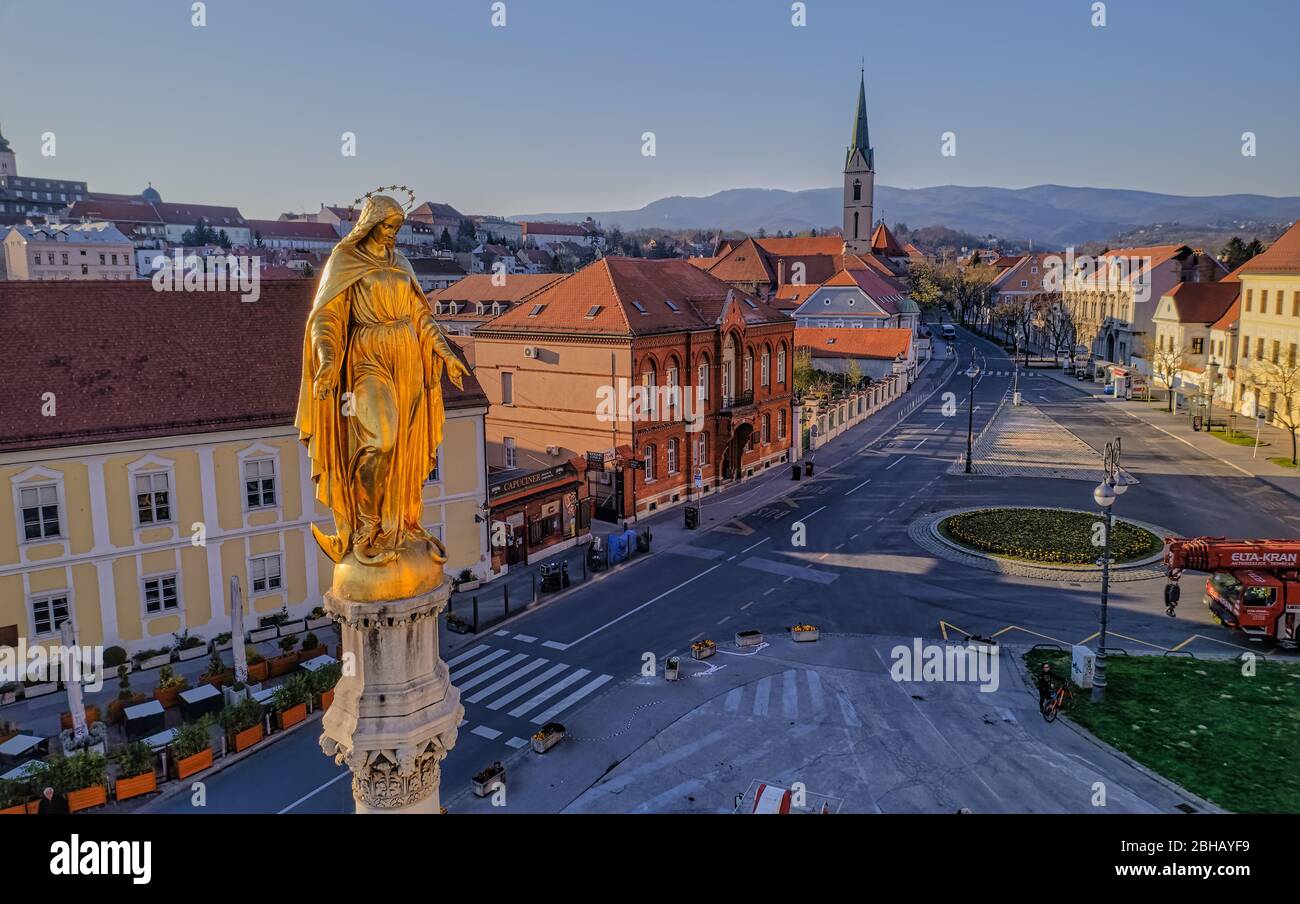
pixel 456 372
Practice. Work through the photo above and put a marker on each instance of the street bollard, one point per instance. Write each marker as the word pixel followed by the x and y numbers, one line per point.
pixel 584 565
pixel 506 598
pixel 475 613
pixel 534 586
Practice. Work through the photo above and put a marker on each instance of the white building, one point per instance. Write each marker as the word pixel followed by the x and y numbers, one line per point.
pixel 67 251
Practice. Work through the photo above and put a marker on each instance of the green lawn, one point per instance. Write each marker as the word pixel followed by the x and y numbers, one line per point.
pixel 1284 462
pixel 1238 438
pixel 1229 738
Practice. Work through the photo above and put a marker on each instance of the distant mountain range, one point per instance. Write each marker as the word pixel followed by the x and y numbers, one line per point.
pixel 1052 215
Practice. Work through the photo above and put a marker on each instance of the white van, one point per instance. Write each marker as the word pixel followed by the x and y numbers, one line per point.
pixel 949 332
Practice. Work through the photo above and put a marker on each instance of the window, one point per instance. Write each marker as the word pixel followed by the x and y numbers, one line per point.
pixel 1198 346
pixel 507 388
pixel 1277 352
pixel 648 454
pixel 101 260
pixel 160 594
pixel 49 613
pixel 40 505
pixel 1259 349
pixel 1278 309
pixel 703 451
pixel 780 365
pixel 780 424
pixel 765 373
pixel 767 429
pixel 671 376
pixel 151 498
pixel 1291 355
pixel 64 256
pixel 265 573
pixel 1245 347
pixel 1263 301
pixel 857 190
pixel 748 374
pixel 651 401
pixel 672 456
pixel 1249 294
pixel 702 379
pixel 508 443
pixel 259 482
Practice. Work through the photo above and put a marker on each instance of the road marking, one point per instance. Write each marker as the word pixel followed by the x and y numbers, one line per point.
pixel 550 692
pixel 792 571
pixel 642 606
pixel 466 655
pixel 474 666
pixel 920 444
pixel 751 602
pixel 555 645
pixel 508 679
pixel 725 618
pixel 815 691
pixel 732 703
pixel 492 672
pixel 527 686
pixel 759 543
pixel 503 634
pixel 568 701
pixel 897 462
pixel 484 732
pixel 846 710
pixel 859 486
pixel 347 773
pixel 762 693
pixel 525 638
pixel 516 743
pixel 936 428
pixel 790 695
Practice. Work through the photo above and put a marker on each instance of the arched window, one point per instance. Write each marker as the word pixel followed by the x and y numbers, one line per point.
pixel 780 364
pixel 767 429
pixel 650 402
pixel 702 378
pixel 672 456
pixel 702 451
pixel 648 455
pixel 674 389
pixel 765 367
pixel 748 374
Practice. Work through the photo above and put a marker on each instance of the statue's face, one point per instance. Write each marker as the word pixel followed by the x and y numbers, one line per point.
pixel 385 232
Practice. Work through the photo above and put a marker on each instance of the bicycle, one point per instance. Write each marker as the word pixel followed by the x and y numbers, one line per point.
pixel 1062 698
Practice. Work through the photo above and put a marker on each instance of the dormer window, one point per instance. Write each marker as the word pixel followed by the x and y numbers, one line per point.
pixel 640 307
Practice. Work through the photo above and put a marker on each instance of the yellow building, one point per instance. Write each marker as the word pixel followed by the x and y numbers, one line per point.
pixel 151 456
pixel 1270 329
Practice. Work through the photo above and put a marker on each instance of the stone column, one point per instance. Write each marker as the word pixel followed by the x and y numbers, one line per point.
pixel 395 713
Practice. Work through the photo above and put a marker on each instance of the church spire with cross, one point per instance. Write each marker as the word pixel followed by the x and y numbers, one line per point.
pixel 859 178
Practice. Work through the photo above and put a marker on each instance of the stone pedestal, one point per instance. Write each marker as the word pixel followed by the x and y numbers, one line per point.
pixel 395 713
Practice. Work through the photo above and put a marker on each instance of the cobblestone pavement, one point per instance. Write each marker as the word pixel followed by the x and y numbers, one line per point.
pixel 923 533
pixel 1024 442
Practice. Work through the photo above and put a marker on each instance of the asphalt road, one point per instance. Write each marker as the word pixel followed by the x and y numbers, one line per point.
pixel 856 572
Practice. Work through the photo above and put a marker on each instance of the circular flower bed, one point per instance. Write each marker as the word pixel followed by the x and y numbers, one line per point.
pixel 1047 535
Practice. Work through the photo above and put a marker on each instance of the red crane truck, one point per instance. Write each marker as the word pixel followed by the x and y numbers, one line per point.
pixel 1254 585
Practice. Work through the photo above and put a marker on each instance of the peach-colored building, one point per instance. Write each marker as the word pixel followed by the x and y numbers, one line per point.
pixel 67 251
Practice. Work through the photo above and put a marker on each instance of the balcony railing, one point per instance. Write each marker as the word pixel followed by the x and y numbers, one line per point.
pixel 739 400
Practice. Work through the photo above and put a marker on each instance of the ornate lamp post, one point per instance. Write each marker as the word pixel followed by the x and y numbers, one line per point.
pixel 971 372
pixel 1113 485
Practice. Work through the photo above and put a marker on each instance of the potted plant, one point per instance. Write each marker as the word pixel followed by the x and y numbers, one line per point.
pixel 257 635
pixel 192 747
pixel 151 659
pixel 750 638
pixel 222 642
pixel 465 581
pixel 16 797
pixel 82 778
pixel 242 723
pixel 258 669
pixel 547 737
pixel 322 684
pixel 32 689
pixel 318 619
pixel 311 647
pixel 672 668
pixel 92 716
pixel 484 783
pixel 805 633
pixel 8 693
pixel 216 674
pixel 457 624
pixel 296 626
pixel 290 701
pixel 189 646
pixel 703 649
pixel 287 661
pixel 115 656
pixel 125 696
pixel 136 774
pixel 170 685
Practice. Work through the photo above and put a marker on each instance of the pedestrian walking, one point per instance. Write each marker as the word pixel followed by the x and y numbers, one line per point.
pixel 52 803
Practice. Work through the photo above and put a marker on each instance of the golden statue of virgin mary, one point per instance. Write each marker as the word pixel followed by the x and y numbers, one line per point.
pixel 370 409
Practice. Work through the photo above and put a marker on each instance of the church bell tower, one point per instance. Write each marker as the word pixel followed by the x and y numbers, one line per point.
pixel 859 180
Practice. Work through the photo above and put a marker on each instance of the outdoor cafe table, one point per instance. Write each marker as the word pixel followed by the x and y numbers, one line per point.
pixel 160 740
pixel 144 719
pixel 315 665
pixel 199 700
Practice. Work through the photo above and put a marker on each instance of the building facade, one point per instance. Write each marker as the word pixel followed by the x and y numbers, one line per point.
pixel 67 251
pixel 161 463
pixel 23 196
pixel 1269 359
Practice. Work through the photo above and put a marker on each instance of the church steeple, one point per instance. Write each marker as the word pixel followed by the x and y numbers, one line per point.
pixel 8 161
pixel 859 179
pixel 861 140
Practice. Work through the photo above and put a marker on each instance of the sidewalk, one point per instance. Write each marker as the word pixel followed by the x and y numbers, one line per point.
pixel 1179 427
pixel 668 528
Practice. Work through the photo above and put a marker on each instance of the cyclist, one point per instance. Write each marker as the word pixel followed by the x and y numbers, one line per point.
pixel 1045 689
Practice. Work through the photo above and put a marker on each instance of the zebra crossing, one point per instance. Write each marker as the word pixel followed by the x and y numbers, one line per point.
pixel 795 695
pixel 500 684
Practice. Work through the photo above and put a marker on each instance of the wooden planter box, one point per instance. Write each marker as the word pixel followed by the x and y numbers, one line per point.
pixel 191 653
pixel 703 650
pixel 326 699
pixel 314 624
pixel 192 764
pixel 19 810
pixel 550 735
pixel 154 662
pixel 484 788
pixel 248 737
pixel 258 672
pixel 292 716
pixel 749 638
pixel 40 690
pixel 257 635
pixel 280 665
pixel 128 788
pixel 304 655
pixel 170 697
pixel 92 716
pixel 806 636
pixel 220 681
pixel 293 627
pixel 86 798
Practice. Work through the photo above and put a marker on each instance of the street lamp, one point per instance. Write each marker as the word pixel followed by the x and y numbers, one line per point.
pixel 971 372
pixel 1114 484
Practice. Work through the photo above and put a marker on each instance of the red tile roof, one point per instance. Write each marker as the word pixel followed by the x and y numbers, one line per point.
pixel 1283 256
pixel 115 211
pixel 884 243
pixel 190 214
pixel 126 362
pixel 1230 317
pixel 1202 302
pixel 479 287
pixel 294 229
pixel 534 227
pixel 847 342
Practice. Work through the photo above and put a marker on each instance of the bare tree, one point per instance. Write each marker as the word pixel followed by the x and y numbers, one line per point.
pixel 1279 381
pixel 1167 364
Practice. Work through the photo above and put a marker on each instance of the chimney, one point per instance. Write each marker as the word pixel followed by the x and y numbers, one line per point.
pixel 780 272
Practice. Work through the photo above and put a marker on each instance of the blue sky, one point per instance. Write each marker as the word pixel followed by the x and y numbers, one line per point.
pixel 547 113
